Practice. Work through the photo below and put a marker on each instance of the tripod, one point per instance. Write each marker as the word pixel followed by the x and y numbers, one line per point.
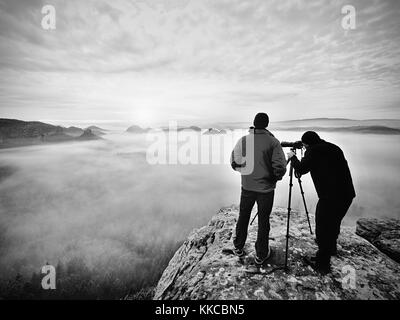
pixel 290 209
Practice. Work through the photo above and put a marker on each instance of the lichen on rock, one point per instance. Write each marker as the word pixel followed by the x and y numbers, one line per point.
pixel 202 268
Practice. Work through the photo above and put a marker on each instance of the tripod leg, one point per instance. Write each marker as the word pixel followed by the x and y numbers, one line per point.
pixel 288 217
pixel 251 223
pixel 305 204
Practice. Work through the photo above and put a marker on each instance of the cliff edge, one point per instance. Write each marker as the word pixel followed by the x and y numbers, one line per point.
pixel 204 267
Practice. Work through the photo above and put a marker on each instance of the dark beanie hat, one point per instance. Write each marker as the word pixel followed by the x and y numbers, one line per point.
pixel 261 120
pixel 310 138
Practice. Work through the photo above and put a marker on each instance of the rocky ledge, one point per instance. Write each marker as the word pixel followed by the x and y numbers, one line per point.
pixel 383 234
pixel 204 268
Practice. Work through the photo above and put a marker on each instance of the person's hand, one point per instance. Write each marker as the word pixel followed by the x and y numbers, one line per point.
pixel 234 165
pixel 290 155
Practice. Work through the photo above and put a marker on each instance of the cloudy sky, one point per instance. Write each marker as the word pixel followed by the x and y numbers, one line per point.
pixel 149 61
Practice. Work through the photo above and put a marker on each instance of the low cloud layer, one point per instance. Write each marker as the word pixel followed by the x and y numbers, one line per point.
pixel 102 202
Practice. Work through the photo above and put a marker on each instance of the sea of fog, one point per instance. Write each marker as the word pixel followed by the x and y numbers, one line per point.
pixel 103 202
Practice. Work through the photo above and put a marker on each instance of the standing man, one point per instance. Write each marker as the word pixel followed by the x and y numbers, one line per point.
pixel 333 183
pixel 264 165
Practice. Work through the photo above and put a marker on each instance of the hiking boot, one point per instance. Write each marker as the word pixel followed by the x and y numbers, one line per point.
pixel 322 268
pixel 260 261
pixel 312 259
pixel 239 252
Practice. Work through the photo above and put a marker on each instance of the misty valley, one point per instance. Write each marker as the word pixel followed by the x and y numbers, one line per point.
pixel 109 221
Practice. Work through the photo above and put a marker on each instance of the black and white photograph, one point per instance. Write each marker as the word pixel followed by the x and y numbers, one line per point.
pixel 207 151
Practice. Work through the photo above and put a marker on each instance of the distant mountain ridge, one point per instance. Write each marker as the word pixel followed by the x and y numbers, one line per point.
pixel 314 122
pixel 15 133
pixel 11 128
pixel 370 126
pixel 338 122
pixel 355 129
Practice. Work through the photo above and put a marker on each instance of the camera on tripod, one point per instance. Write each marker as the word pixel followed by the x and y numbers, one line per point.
pixel 293 145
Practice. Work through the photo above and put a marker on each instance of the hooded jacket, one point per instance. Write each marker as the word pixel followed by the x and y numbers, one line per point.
pixel 260 159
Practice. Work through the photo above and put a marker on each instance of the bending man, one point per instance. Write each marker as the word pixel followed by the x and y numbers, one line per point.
pixel 333 183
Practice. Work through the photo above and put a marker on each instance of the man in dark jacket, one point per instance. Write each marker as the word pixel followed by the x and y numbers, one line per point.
pixel 333 183
pixel 261 161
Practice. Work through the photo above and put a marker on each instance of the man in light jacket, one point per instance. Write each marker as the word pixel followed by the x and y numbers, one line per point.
pixel 260 159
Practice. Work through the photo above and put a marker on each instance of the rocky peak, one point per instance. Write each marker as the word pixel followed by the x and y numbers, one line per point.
pixel 203 267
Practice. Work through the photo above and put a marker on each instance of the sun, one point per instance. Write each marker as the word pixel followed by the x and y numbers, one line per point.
pixel 143 117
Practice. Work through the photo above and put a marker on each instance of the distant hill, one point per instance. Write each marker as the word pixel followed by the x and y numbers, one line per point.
pixel 88 135
pixel 11 128
pixel 191 128
pixel 14 133
pixel 137 129
pixel 73 131
pixel 97 130
pixel 214 131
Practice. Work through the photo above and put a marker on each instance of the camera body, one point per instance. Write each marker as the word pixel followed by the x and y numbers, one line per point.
pixel 293 145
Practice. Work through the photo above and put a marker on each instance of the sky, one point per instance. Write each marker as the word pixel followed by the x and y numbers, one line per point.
pixel 147 62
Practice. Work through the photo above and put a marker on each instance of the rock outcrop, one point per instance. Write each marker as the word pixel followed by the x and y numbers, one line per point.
pixel 203 267
pixel 383 234
pixel 137 129
pixel 88 135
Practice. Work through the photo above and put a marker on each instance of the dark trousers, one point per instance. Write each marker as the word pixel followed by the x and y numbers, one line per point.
pixel 328 217
pixel 264 207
